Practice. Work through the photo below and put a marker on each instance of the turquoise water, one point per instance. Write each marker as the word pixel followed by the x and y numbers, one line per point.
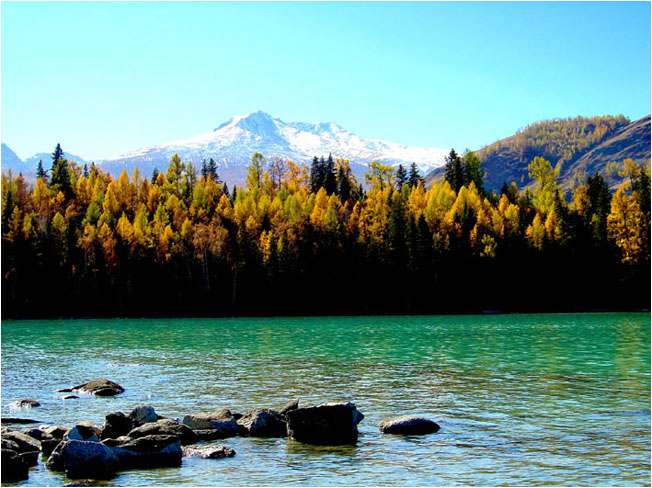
pixel 521 399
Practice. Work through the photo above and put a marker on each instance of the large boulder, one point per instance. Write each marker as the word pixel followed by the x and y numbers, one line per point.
pixel 327 424
pixel 222 424
pixel 101 387
pixel 151 451
pixel 85 459
pixel 14 467
pixel 116 424
pixel 142 414
pixel 167 427
pixel 208 452
pixel 24 442
pixel 408 425
pixel 263 422
pixel 55 461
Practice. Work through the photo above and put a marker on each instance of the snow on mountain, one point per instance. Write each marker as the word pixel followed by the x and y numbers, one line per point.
pixel 11 161
pixel 233 143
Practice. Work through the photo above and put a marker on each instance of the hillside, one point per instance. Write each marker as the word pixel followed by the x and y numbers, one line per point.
pixel 577 146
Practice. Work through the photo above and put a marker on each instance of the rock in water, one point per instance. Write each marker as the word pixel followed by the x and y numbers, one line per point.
pixel 326 424
pixel 408 425
pixel 151 451
pixel 165 427
pixel 84 459
pixel 102 387
pixel 14 468
pixel 83 431
pixel 26 403
pixel 263 422
pixel 222 423
pixel 116 424
pixel 18 420
pixel 293 405
pixel 142 414
pixel 24 442
pixel 208 452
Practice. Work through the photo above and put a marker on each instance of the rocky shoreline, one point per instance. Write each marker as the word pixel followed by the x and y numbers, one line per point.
pixel 144 439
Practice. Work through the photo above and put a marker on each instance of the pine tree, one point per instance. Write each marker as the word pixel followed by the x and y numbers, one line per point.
pixel 401 177
pixel 40 172
pixel 154 175
pixel 415 177
pixel 329 176
pixel 57 154
pixel 473 173
pixel 60 174
pixel 454 171
pixel 316 174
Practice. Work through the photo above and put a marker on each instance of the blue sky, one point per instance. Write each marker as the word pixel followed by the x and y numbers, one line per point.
pixel 107 78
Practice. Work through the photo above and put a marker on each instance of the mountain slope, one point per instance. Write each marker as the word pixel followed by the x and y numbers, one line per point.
pixel 576 146
pixel 11 161
pixel 233 143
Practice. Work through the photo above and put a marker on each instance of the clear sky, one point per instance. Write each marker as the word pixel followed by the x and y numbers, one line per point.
pixel 107 78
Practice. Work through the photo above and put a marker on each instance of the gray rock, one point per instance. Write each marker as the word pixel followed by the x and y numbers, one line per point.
pixel 56 431
pixel 327 424
pixel 26 403
pixel 149 452
pixel 116 424
pixel 165 427
pixel 24 442
pixel 142 414
pixel 117 441
pixel 101 387
pixel 293 405
pixel 221 421
pixel 84 459
pixel 84 431
pixel 208 452
pixel 55 462
pixel 408 425
pixel 38 434
pixel 263 422
pixel 14 467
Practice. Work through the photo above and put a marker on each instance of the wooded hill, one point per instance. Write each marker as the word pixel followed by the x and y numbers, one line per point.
pixel 578 147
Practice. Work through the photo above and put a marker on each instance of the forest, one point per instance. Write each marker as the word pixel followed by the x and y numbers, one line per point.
pixel 312 240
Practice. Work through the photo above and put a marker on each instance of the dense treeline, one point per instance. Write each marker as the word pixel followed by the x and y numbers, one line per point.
pixel 313 240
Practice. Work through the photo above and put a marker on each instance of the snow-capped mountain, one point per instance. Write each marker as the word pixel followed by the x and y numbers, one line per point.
pixel 233 143
pixel 11 161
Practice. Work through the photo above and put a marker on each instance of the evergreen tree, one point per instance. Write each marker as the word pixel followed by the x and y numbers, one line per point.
pixel 57 154
pixel 212 170
pixel 225 190
pixel 454 171
pixel 154 175
pixel 40 172
pixel 85 173
pixel 317 173
pixel 401 177
pixel 415 177
pixel 329 176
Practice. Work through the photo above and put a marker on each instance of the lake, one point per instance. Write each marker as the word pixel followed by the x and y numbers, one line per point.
pixel 521 399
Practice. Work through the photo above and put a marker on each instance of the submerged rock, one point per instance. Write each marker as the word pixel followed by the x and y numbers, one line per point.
pixel 208 452
pixel 19 420
pixel 327 424
pixel 101 387
pixel 262 422
pixel 408 425
pixel 14 467
pixel 85 459
pixel 26 403
pixel 69 397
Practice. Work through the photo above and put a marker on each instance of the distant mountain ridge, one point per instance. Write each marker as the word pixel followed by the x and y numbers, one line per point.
pixel 11 161
pixel 233 143
pixel 578 147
